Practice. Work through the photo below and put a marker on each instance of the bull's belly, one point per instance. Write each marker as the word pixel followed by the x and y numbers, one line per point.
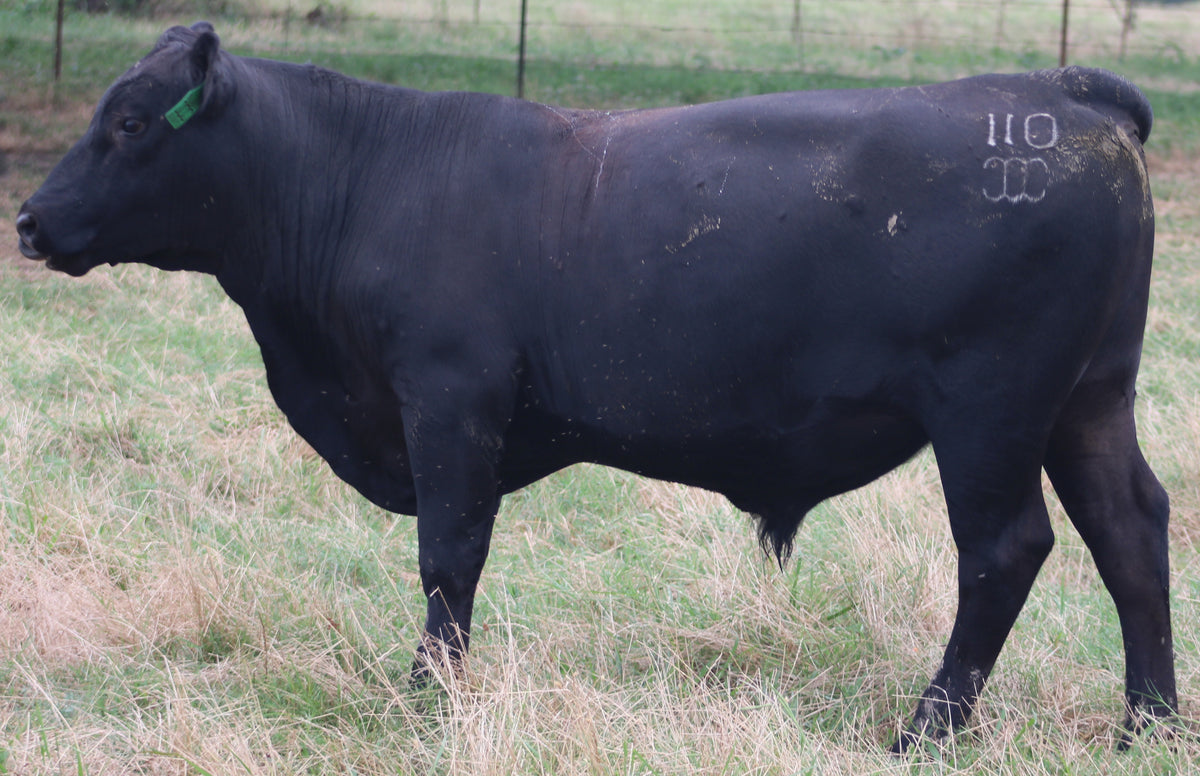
pixel 760 468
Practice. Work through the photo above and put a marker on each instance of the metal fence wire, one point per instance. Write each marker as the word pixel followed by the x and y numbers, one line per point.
pixel 1111 27
pixel 905 37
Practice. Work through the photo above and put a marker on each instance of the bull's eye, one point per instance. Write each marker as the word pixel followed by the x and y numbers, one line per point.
pixel 132 126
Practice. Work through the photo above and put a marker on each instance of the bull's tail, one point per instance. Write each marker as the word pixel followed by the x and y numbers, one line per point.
pixel 1111 94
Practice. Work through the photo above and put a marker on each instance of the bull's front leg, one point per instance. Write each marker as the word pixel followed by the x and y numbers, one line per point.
pixel 457 500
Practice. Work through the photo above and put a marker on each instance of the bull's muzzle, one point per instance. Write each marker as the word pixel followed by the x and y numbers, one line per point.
pixel 27 232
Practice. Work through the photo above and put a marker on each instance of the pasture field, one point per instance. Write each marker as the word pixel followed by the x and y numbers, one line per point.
pixel 185 588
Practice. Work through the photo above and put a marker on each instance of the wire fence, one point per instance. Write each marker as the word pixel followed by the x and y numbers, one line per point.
pixel 1108 26
pixel 918 37
pixel 904 38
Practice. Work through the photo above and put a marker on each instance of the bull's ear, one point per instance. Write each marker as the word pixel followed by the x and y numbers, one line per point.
pixel 207 66
pixel 176 34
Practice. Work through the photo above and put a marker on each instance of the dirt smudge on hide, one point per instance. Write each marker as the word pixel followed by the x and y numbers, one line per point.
pixel 706 225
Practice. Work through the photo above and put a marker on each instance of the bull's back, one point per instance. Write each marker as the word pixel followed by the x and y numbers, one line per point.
pixel 751 242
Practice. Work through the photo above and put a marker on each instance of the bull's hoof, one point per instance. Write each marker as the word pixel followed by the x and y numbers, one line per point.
pixel 1155 726
pixel 435 665
pixel 421 677
pixel 914 740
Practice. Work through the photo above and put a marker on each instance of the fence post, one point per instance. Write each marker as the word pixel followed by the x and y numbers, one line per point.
pixel 798 31
pixel 520 51
pixel 1126 27
pixel 1062 43
pixel 58 43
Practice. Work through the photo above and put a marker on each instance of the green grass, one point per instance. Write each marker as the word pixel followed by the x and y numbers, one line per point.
pixel 186 588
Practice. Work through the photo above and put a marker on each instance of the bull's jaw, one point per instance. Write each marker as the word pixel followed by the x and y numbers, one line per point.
pixel 75 265
pixel 79 264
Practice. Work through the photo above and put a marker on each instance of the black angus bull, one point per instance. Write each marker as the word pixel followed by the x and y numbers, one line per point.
pixel 778 298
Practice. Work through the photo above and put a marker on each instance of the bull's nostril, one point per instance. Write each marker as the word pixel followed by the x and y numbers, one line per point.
pixel 27 226
pixel 27 235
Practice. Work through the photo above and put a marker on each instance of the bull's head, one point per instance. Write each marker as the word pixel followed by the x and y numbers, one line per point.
pixel 134 188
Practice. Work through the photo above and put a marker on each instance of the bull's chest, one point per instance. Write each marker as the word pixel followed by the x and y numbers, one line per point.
pixel 338 401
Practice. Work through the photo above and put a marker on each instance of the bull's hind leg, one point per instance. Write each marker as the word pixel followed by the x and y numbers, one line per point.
pixel 1002 532
pixel 1120 510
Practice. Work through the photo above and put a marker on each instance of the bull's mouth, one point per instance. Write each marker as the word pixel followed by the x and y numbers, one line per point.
pixel 73 264
pixel 29 252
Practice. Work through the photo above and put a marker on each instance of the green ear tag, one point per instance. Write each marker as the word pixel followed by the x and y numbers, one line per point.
pixel 185 108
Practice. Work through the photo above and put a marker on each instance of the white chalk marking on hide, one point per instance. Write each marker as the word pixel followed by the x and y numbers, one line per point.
pixel 1040 130
pixel 1016 183
pixel 1050 131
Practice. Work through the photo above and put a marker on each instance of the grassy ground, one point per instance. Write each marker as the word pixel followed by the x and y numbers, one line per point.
pixel 186 589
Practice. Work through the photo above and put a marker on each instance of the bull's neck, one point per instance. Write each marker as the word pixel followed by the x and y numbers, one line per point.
pixel 318 147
